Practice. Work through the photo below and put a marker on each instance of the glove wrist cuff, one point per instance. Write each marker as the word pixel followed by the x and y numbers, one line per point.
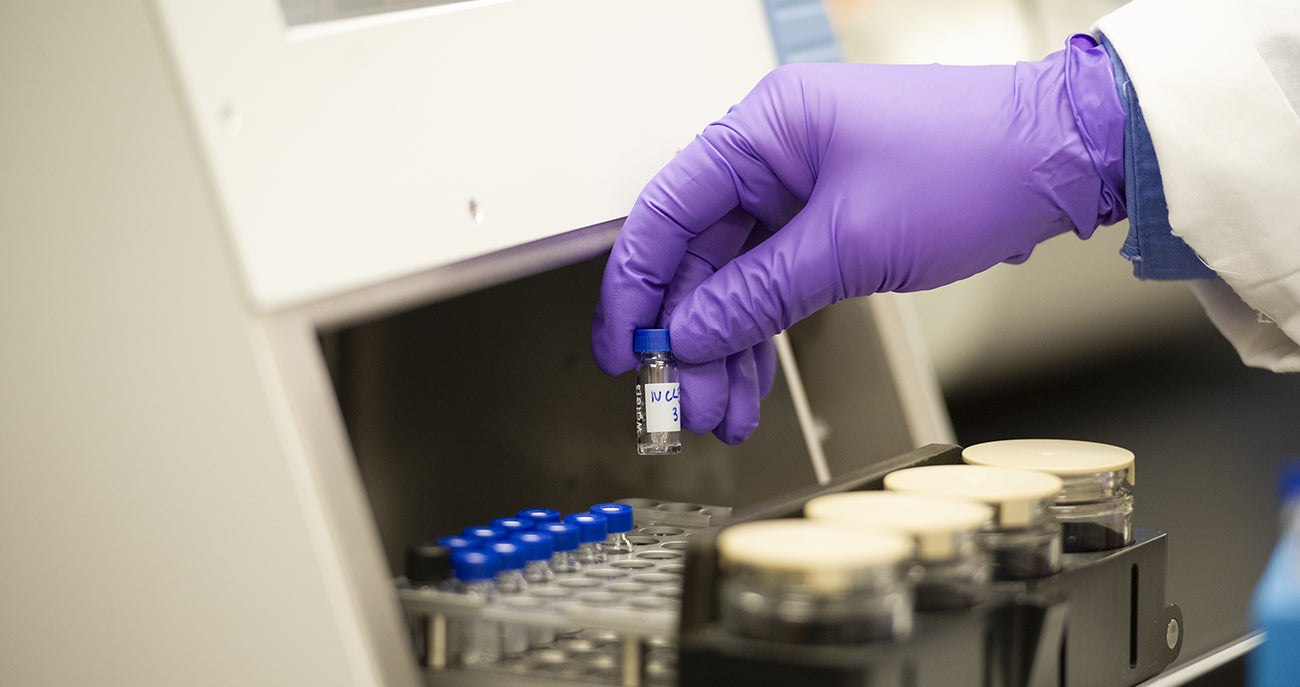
pixel 1099 115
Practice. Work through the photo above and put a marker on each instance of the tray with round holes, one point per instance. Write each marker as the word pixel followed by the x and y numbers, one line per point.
pixel 592 626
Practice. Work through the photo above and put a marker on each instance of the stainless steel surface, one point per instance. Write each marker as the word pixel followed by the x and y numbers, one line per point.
pixel 1202 665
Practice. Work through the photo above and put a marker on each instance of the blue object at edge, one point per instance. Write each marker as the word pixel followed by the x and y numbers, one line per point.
pixel 801 31
pixel 1275 606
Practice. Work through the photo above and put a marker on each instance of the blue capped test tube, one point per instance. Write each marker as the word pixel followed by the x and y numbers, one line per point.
pixel 510 580
pixel 538 547
pixel 510 571
pixel 477 641
pixel 592 531
pixel 618 517
pixel 565 535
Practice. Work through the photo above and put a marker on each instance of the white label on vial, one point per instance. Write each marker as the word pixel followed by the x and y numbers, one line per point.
pixel 662 411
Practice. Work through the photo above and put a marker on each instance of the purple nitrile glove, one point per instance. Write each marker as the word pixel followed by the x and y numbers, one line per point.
pixel 836 180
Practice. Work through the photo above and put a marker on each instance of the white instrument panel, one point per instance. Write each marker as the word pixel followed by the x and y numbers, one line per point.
pixel 351 152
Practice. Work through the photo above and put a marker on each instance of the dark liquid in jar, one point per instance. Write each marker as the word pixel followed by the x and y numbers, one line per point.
pixel 1103 534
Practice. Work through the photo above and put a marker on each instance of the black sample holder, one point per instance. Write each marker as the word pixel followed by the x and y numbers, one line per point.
pixel 1101 621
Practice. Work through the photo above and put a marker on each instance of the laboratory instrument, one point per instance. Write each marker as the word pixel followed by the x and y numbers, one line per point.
pixel 344 354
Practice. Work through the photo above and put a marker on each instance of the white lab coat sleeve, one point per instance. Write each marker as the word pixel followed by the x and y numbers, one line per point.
pixel 1219 84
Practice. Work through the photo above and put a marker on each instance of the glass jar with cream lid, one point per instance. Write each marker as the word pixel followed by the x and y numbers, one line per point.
pixel 954 570
pixel 1095 504
pixel 1024 538
pixel 807 582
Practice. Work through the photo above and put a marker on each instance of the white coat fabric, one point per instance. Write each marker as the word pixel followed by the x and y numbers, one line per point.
pixel 1219 84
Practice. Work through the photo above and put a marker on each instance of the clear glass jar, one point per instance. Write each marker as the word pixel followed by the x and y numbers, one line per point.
pixel 959 581
pixel 1023 540
pixel 806 582
pixel 952 569
pixel 1027 550
pixel 1095 504
pixel 1095 511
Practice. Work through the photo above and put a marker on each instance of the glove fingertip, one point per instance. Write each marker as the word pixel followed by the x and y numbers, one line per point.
pixel 733 434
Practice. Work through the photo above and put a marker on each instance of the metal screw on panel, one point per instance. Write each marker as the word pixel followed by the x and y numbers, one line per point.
pixel 1171 633
pixel 475 211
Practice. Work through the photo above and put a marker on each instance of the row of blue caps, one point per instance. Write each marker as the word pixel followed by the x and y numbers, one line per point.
pixel 533 534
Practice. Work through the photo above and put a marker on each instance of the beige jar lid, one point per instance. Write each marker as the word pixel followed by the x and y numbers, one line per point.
pixel 826 556
pixel 1012 492
pixel 1057 456
pixel 932 520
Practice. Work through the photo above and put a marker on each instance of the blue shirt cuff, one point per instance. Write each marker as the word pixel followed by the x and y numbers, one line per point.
pixel 1151 245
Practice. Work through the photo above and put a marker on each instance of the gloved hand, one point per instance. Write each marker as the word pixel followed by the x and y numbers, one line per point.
pixel 836 180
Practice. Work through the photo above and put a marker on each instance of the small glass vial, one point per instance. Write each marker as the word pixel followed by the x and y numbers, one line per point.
pixel 565 535
pixel 510 582
pixel 658 394
pixel 1024 539
pixel 1095 504
pixel 953 570
pixel 538 548
pixel 592 531
pixel 510 571
pixel 809 582
pixel 618 521
pixel 428 566
pixel 477 640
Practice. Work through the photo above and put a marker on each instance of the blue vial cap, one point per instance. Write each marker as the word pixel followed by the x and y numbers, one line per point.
pixel 472 565
pixel 619 516
pixel 592 527
pixel 651 341
pixel 537 546
pixel 510 554
pixel 565 535
pixel 513 525
pixel 540 515
pixel 482 535
pixel 456 543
